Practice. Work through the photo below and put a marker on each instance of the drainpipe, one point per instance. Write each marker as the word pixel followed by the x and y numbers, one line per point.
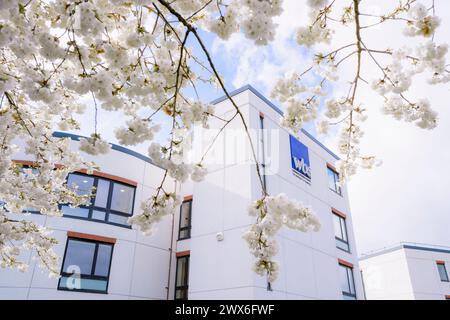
pixel 171 251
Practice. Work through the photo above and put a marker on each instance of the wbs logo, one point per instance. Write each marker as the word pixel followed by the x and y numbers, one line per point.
pixel 300 158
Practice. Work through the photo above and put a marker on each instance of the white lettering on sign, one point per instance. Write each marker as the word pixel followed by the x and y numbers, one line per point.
pixel 301 166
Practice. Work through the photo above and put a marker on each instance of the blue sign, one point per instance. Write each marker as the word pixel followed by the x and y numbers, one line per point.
pixel 300 158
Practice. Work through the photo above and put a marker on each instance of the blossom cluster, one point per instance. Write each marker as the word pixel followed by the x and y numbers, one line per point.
pixel 317 31
pixel 254 17
pixel 137 131
pixel 273 212
pixel 153 210
pixel 420 23
pixel 26 234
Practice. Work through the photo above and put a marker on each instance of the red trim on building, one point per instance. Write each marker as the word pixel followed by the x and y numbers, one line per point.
pixel 94 173
pixel 25 162
pixel 183 253
pixel 110 176
pixel 339 213
pixel 345 263
pixel 440 261
pixel 79 235
pixel 188 198
pixel 332 167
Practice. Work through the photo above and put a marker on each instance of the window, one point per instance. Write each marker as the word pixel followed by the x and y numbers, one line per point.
pixel 184 231
pixel 442 271
pixel 340 232
pixel 262 150
pixel 86 266
pixel 333 181
pixel 347 282
pixel 113 201
pixel 182 278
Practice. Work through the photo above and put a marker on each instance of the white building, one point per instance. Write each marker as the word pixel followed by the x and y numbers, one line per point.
pixel 209 259
pixel 407 271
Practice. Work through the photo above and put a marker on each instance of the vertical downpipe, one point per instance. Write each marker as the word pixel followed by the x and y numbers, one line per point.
pixel 171 250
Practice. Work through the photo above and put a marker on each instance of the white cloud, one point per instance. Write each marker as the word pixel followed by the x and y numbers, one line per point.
pixel 261 66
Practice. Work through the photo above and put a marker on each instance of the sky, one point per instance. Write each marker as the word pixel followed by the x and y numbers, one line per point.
pixel 405 199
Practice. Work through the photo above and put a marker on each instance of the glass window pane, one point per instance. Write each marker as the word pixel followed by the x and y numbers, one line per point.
pixel 81 183
pixel 342 245
pixel 185 220
pixel 182 272
pixel 75 212
pixel 98 215
pixel 101 195
pixel 116 218
pixel 331 181
pixel 83 284
pixel 103 260
pixel 343 278
pixel 351 281
pixel 442 272
pixel 184 233
pixel 181 294
pixel 344 229
pixel 122 198
pixel 79 254
pixel 337 226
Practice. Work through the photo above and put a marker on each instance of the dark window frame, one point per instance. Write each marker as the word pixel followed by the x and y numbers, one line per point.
pixel 184 287
pixel 344 230
pixel 442 265
pixel 351 284
pixel 337 189
pixel 94 264
pixel 187 228
pixel 107 210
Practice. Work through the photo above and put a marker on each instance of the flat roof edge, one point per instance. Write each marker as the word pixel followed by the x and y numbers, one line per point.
pixel 405 246
pixel 116 147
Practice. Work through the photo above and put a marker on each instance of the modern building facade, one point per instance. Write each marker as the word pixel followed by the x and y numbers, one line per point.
pixel 407 271
pixel 199 252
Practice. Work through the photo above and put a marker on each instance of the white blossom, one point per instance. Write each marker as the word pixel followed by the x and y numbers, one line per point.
pixel 272 213
pixel 94 145
pixel 199 173
pixel 287 87
pixel 137 131
pixel 421 24
pixel 154 210
pixel 311 35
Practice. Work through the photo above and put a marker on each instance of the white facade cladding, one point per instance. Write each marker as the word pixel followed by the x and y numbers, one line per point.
pixel 311 264
pixel 407 271
pixel 209 258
